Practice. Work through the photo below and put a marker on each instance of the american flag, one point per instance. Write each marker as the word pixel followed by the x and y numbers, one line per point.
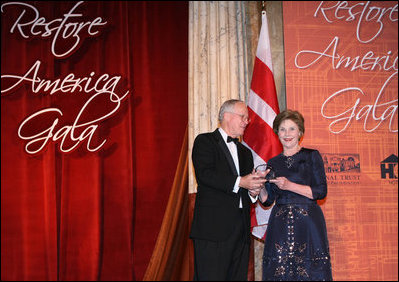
pixel 263 108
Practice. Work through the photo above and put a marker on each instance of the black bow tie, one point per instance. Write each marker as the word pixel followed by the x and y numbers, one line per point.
pixel 229 139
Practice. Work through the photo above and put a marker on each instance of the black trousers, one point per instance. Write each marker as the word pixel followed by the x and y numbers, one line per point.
pixel 222 261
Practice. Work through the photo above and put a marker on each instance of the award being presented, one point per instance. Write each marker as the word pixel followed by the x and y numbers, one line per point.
pixel 265 167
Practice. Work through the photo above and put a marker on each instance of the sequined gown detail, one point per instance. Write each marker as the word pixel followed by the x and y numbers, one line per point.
pixel 296 244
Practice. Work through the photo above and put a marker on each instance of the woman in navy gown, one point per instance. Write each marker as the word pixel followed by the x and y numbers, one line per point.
pixel 296 244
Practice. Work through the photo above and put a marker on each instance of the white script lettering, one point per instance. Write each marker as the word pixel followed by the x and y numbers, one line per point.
pixel 69 84
pixel 366 62
pixel 366 14
pixel 368 112
pixel 37 142
pixel 39 26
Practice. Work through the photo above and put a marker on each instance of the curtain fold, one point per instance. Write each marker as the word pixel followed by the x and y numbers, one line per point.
pixel 170 258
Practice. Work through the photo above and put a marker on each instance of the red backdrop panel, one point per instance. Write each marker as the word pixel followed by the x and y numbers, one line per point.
pixel 85 215
pixel 342 74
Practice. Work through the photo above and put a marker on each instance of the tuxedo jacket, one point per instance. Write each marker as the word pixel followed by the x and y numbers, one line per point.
pixel 216 210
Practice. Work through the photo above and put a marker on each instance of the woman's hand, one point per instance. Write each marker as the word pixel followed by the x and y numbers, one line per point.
pixel 282 182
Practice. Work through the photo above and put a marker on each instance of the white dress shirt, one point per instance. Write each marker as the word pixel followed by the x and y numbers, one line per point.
pixel 233 151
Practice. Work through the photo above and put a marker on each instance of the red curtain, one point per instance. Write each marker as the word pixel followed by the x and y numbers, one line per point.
pixel 85 215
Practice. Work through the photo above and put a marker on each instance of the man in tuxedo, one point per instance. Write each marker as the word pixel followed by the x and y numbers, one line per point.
pixel 226 186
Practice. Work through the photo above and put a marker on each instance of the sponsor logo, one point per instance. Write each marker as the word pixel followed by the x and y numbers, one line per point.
pixel 342 168
pixel 389 168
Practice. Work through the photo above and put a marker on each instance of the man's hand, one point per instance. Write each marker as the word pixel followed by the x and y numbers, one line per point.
pixel 253 182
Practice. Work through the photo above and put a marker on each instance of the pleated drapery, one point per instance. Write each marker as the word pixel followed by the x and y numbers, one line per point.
pixel 220 59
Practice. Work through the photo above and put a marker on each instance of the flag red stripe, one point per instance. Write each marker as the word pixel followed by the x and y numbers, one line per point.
pixel 258 128
pixel 254 221
pixel 263 84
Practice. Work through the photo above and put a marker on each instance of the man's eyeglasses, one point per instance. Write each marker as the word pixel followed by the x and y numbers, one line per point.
pixel 244 118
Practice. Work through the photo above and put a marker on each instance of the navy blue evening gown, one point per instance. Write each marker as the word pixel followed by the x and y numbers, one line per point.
pixel 296 244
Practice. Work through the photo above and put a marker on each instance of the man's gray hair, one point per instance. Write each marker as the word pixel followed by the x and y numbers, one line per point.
pixel 227 106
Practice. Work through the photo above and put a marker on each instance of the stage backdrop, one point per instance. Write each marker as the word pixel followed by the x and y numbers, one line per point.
pixel 342 75
pixel 93 116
